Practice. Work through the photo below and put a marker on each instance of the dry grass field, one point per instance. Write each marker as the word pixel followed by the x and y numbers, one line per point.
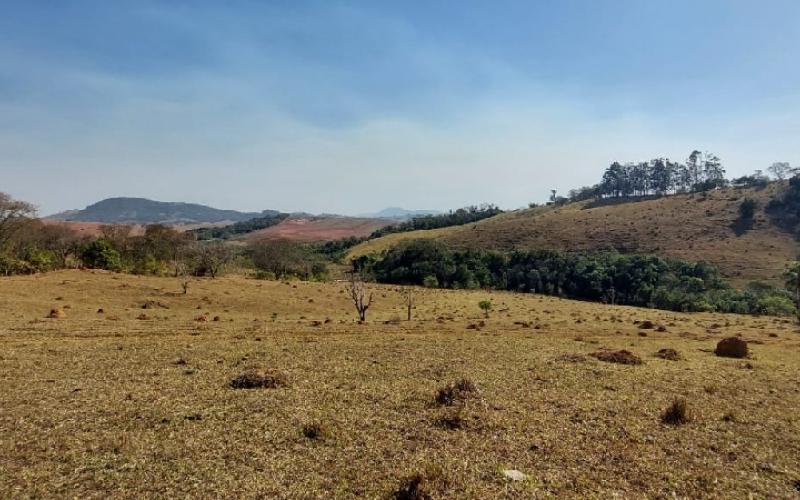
pixel 135 402
pixel 692 227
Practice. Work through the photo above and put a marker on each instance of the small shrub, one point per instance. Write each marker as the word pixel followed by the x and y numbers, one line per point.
pixel 732 347
pixel 259 379
pixel 622 357
pixel 315 431
pixel 647 325
pixel 455 392
pixel 421 485
pixel 677 413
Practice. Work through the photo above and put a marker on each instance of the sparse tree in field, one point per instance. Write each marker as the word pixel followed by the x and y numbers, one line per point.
pixel 360 295
pixel 486 306
pixel 781 170
pixel 14 214
pixel 408 296
pixel 212 258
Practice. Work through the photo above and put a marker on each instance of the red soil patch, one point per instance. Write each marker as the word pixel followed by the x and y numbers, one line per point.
pixel 320 229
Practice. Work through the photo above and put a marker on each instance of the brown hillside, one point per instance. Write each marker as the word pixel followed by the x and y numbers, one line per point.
pixel 320 228
pixel 693 227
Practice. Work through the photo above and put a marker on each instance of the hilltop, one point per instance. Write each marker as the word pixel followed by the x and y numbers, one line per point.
pixel 697 226
pixel 144 211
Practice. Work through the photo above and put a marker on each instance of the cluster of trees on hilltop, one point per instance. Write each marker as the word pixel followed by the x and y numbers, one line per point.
pixel 662 176
pixel 452 218
pixel 639 280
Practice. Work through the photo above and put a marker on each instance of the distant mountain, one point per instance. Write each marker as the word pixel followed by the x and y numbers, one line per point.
pixel 144 211
pixel 400 213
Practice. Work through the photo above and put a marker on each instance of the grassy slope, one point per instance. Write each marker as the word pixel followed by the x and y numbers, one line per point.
pixel 693 227
pixel 94 405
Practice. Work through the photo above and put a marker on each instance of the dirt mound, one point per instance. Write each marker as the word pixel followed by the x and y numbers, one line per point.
pixel 57 313
pixel 732 347
pixel 622 357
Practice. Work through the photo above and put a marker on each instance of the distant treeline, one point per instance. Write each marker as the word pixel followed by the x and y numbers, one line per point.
pixel 238 228
pixel 638 280
pixel 452 218
pixel 662 176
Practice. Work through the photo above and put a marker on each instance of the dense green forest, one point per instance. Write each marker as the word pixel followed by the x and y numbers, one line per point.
pixel 638 280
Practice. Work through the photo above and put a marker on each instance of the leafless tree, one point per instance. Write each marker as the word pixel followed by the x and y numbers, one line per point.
pixel 360 295
pixel 212 258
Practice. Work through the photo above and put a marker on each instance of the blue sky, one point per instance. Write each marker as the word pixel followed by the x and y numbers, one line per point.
pixel 349 107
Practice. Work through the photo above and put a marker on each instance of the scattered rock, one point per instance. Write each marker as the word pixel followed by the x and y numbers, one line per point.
pixel 514 475
pixel 732 347
pixel 647 325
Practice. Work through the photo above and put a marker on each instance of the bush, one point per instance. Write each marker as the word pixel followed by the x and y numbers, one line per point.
pixel 430 282
pixel 99 254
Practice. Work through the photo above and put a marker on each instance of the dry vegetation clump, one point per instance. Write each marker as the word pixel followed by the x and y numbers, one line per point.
pixel 452 421
pixel 57 313
pixel 647 325
pixel 622 357
pixel 677 413
pixel 731 347
pixel 572 357
pixel 421 485
pixel 456 392
pixel 315 431
pixel 255 378
pixel 154 304
pixel 667 353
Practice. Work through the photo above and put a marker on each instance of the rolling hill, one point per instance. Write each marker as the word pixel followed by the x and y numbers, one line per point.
pixel 690 226
pixel 144 211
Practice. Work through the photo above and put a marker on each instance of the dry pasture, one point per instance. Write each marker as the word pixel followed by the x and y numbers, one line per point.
pixel 102 404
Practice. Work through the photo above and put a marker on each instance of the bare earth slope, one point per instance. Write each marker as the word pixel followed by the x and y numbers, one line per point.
pixel 135 403
pixel 320 228
pixel 693 227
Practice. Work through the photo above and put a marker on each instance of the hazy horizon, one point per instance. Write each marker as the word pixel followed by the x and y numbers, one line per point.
pixel 352 107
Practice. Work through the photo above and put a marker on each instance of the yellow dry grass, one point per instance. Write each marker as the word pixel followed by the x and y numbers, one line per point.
pixel 99 405
pixel 692 227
